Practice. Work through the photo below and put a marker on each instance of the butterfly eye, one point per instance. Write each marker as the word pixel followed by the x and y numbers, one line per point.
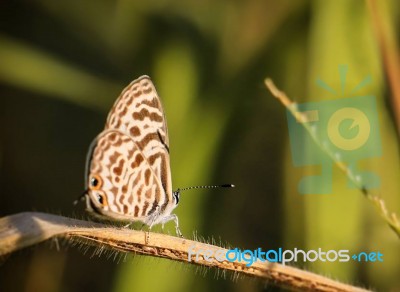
pixel 95 182
pixel 101 199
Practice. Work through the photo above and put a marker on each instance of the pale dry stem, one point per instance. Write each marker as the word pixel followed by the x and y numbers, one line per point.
pixel 25 229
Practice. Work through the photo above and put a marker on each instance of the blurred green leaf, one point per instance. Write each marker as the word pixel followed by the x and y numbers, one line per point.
pixel 31 69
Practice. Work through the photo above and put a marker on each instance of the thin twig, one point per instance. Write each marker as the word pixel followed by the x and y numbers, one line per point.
pixel 390 218
pixel 25 229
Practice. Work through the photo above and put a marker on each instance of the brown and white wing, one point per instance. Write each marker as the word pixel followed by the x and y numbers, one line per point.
pixel 138 113
pixel 128 188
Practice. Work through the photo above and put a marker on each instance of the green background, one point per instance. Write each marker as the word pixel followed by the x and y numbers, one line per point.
pixel 63 64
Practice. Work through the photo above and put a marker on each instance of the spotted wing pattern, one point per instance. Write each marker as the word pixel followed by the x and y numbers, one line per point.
pixel 128 187
pixel 139 114
pixel 128 164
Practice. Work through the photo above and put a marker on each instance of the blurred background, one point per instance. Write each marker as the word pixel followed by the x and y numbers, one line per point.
pixel 63 64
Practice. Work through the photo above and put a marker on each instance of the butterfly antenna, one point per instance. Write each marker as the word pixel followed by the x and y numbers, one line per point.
pixel 206 187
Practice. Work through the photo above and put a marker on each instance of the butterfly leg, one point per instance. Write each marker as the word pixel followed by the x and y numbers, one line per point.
pixel 148 231
pixel 170 218
pixel 150 223
pixel 153 218
pixel 146 237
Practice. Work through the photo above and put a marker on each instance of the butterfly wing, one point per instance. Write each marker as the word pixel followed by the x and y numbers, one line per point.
pixel 138 113
pixel 122 184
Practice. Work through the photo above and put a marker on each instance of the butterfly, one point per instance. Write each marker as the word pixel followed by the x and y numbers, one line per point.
pixel 128 175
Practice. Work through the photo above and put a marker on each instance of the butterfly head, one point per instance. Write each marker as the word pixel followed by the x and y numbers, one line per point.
pixel 176 195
